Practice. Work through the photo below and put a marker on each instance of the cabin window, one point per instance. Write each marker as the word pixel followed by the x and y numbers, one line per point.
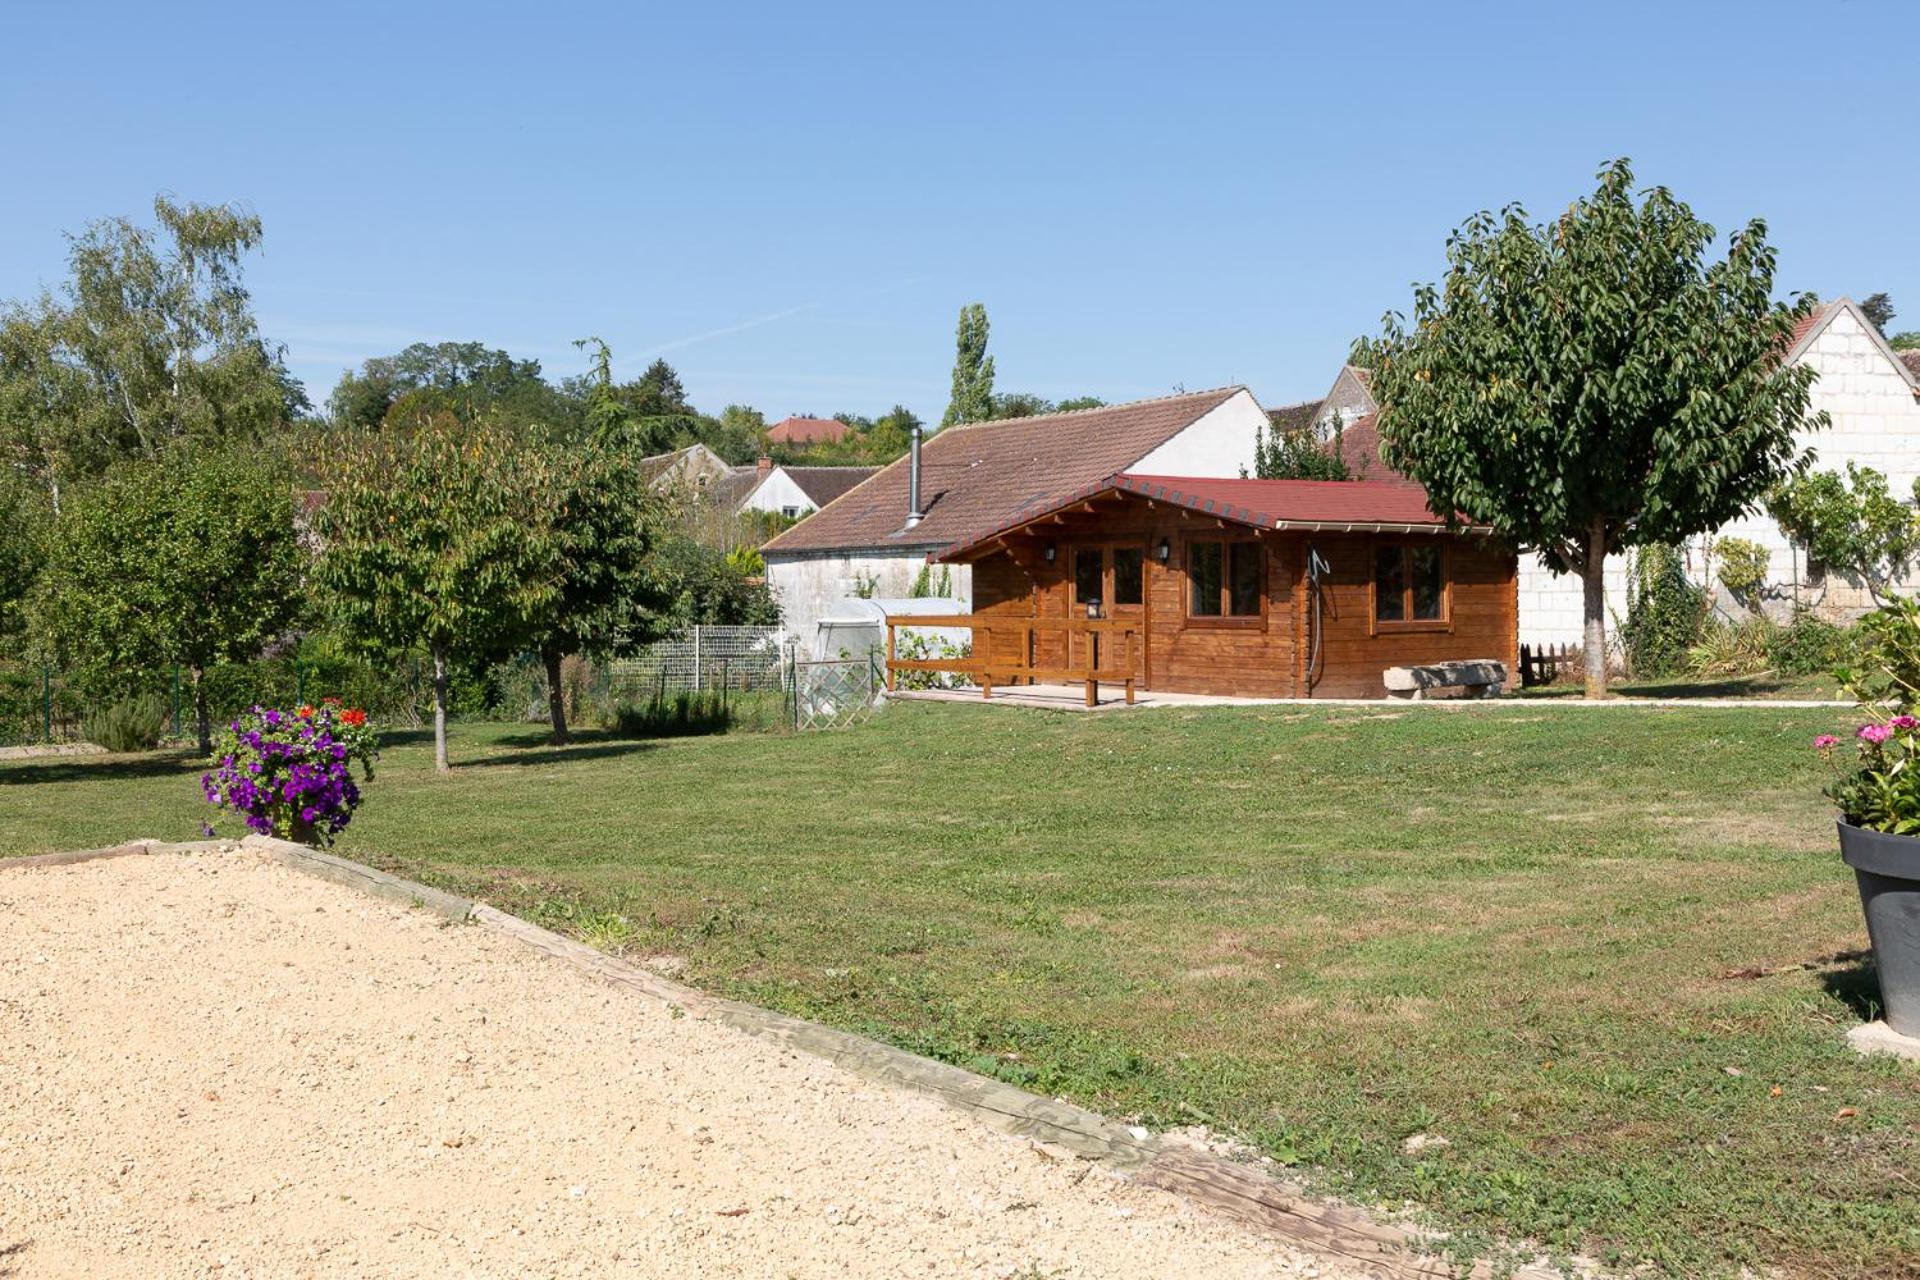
pixel 1129 575
pixel 1113 575
pixel 1409 584
pixel 1087 572
pixel 1223 579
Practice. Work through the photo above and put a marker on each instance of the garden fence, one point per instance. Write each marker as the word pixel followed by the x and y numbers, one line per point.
pixel 741 659
pixel 836 693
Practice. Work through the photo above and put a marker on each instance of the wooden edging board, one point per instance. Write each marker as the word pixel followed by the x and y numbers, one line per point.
pixel 1384 1250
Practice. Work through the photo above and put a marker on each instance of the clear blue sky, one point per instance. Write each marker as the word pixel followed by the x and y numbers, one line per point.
pixel 791 202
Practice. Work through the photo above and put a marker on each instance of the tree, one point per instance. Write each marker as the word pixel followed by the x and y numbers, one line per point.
pixel 466 379
pixel 434 538
pixel 1855 526
pixel 1909 341
pixel 190 559
pixel 1024 404
pixel 972 399
pixel 22 551
pixel 610 593
pixel 1878 308
pixel 151 341
pixel 1595 383
pixel 1298 455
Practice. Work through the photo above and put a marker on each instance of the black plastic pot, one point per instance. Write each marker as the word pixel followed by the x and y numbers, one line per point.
pixel 1888 869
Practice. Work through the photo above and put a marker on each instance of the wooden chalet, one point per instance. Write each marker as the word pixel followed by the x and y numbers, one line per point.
pixel 1252 588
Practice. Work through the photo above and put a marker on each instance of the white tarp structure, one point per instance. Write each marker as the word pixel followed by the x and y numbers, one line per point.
pixel 852 628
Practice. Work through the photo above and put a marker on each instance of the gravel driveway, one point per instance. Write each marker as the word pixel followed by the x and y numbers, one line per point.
pixel 216 1066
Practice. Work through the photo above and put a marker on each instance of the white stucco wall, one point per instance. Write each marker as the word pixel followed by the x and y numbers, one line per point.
pixel 1218 443
pixel 1875 422
pixel 808 584
pixel 777 492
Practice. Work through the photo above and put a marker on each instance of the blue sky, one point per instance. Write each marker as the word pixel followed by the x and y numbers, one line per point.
pixel 792 202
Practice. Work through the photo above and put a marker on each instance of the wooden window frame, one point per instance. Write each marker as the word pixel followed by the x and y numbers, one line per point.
pixel 1443 624
pixel 1108 609
pixel 1256 621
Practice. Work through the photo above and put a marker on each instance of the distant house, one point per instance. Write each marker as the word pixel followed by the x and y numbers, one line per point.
pixel 692 467
pixel 980 476
pixel 799 491
pixel 805 431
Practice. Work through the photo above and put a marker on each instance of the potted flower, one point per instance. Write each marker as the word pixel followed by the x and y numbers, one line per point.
pixel 1877 792
pixel 289 773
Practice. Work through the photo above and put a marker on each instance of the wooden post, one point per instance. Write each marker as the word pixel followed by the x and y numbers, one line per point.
pixel 1129 666
pixel 889 655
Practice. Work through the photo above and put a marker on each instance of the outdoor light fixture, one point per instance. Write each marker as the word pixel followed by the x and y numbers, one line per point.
pixel 1048 553
pixel 1162 551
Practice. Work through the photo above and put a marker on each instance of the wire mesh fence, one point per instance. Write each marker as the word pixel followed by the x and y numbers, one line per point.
pixel 755 670
pixel 741 659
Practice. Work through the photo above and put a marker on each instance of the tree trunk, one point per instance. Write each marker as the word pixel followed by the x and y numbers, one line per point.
pixel 202 715
pixel 440 708
pixel 556 695
pixel 1593 580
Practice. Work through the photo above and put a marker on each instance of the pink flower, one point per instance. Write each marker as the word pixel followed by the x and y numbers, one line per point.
pixel 1875 733
pixel 1826 742
pixel 1904 722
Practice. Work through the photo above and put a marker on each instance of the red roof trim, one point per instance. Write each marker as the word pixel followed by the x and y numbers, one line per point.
pixel 1357 505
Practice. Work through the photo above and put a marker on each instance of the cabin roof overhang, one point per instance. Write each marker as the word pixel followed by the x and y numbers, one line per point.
pixel 1306 506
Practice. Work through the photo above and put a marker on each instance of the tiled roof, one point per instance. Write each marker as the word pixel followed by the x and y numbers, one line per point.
pixel 807 430
pixel 1275 504
pixel 1813 320
pixel 1260 504
pixel 975 477
pixel 1911 359
pixel 1294 417
pixel 824 484
pixel 1359 446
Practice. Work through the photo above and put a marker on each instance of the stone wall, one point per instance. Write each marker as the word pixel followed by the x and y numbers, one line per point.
pixel 807 585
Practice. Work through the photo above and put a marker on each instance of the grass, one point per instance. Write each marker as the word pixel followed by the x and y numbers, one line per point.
pixel 1323 930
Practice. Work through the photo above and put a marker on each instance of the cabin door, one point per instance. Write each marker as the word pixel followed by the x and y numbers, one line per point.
pixel 1108 581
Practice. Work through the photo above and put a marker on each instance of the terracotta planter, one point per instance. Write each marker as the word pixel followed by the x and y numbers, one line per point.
pixel 1888 869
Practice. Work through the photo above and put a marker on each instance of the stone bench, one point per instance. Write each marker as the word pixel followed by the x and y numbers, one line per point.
pixel 1480 677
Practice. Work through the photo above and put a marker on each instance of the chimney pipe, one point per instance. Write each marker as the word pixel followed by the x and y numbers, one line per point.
pixel 762 465
pixel 914 514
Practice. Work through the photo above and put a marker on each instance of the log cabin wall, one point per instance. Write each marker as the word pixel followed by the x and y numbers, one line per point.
pixel 1263 654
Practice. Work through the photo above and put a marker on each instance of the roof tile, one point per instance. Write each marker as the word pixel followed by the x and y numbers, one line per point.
pixel 974 478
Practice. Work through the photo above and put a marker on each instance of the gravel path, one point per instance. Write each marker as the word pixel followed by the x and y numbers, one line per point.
pixel 216 1066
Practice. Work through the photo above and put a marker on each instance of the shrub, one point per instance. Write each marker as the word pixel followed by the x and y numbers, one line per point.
pixel 289 773
pixel 130 724
pixel 1733 648
pixel 680 714
pixel 1743 568
pixel 1665 614
pixel 1808 646
pixel 917 646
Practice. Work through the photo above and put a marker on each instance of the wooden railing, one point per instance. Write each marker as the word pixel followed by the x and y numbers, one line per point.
pixel 983 668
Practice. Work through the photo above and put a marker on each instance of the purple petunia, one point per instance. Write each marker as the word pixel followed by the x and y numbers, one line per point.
pixel 285 774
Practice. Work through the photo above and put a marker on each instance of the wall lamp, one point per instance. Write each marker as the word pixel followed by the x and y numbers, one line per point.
pixel 1048 553
pixel 1162 551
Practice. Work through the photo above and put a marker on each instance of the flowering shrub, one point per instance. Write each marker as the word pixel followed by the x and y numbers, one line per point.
pixel 1879 790
pixel 288 773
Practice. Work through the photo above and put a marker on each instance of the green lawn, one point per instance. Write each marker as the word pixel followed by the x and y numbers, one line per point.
pixel 1321 929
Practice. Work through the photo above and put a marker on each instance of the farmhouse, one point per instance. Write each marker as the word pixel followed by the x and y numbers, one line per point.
pixel 797 491
pixel 873 541
pixel 801 432
pixel 1254 588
